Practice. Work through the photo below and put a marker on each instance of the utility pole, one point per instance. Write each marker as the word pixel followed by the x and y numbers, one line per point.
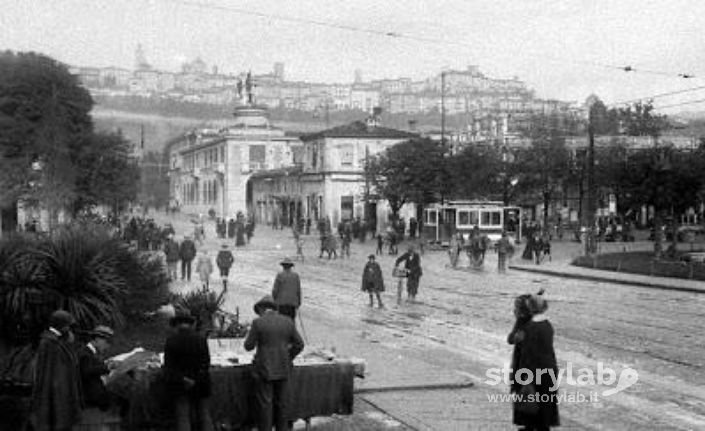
pixel 443 109
pixel 590 207
pixel 367 184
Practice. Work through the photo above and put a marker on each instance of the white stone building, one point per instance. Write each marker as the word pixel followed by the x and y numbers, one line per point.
pixel 211 169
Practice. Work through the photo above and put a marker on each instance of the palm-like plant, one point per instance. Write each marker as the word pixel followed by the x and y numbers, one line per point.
pixel 79 274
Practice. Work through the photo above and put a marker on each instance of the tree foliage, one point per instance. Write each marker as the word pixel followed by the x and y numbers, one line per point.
pixel 412 171
pixel 49 152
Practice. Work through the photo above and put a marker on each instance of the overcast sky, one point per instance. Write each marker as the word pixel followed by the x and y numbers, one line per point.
pixel 556 46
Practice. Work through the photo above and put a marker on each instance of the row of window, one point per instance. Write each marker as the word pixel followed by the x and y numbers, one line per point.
pixel 205 158
pixel 206 193
pixel 469 218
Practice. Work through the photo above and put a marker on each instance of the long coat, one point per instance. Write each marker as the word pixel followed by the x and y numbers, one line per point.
pixel 186 355
pixel 92 368
pixel 534 352
pixel 56 398
pixel 287 289
pixel 277 342
pixel 204 267
pixel 372 280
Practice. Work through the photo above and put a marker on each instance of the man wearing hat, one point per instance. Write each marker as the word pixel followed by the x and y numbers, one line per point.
pixel 186 370
pixel 224 260
pixel 287 290
pixel 91 364
pixel 277 342
pixel 372 280
pixel 56 396
pixel 412 263
pixel 187 252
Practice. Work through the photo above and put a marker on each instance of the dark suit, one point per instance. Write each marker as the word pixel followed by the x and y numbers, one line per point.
pixel 277 342
pixel 287 292
pixel 412 262
pixel 186 355
pixel 92 367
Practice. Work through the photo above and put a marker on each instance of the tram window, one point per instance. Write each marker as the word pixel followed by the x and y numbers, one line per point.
pixel 431 217
pixel 463 218
pixel 474 218
pixel 491 218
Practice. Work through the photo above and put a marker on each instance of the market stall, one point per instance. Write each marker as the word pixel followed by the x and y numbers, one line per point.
pixel 321 385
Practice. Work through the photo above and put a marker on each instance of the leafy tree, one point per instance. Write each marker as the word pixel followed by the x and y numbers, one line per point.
pixel 44 118
pixel 154 184
pixel 50 155
pixel 544 166
pixel 411 171
pixel 106 173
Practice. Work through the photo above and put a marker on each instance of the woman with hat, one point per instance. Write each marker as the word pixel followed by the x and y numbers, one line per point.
pixel 186 370
pixel 532 337
pixel 372 280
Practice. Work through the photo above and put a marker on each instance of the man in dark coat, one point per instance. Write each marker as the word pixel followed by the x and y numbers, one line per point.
pixel 412 263
pixel 286 291
pixel 171 250
pixel 187 252
pixel 96 397
pixel 56 397
pixel 92 367
pixel 277 342
pixel 186 370
pixel 224 260
pixel 372 281
pixel 231 228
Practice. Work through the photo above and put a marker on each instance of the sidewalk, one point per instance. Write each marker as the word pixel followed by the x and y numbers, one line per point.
pixel 564 253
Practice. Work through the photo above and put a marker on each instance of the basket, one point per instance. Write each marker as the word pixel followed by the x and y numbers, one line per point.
pixel 400 272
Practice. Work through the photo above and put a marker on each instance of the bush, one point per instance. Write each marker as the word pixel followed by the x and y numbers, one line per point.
pixel 80 268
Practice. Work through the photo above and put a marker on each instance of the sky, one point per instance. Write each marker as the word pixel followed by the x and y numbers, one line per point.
pixel 563 49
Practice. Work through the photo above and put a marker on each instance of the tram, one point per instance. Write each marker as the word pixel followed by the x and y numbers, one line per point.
pixel 443 221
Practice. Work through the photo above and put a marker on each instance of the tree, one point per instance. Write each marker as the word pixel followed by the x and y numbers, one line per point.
pixel 44 117
pixel 154 184
pixel 50 155
pixel 106 173
pixel 411 171
pixel 545 165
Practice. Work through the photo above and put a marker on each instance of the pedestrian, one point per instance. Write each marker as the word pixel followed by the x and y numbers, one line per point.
pixel 186 372
pixel 413 224
pixel 56 396
pixel 231 228
pixel 504 249
pixel 92 368
pixel 412 263
pixel 224 260
pixel 171 250
pixel 372 281
pixel 287 290
pixel 308 225
pixel 187 252
pixel 277 342
pixel 204 268
pixel 532 337
pixel 345 244
pixel 454 250
pixel 380 244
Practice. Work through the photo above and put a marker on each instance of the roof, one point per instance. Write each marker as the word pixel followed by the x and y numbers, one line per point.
pixel 359 129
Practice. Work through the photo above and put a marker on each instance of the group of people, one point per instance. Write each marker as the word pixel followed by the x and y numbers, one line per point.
pixel 185 252
pixel 241 228
pixel 146 233
pixel 68 391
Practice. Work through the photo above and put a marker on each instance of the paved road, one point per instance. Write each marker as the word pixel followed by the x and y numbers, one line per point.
pixel 457 331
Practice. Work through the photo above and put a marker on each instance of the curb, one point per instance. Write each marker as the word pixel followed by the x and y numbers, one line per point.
pixel 610 280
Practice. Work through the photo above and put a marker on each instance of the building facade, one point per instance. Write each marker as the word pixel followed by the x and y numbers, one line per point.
pixel 330 182
pixel 210 170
